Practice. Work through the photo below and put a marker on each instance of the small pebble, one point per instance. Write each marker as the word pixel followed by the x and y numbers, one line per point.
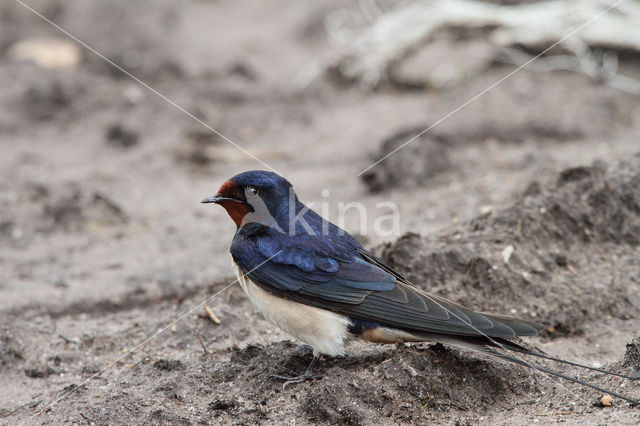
pixel 606 400
pixel 506 253
pixel 412 371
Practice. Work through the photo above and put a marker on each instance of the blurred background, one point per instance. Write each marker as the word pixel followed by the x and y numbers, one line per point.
pixel 102 234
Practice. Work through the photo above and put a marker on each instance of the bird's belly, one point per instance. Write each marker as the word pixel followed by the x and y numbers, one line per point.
pixel 323 330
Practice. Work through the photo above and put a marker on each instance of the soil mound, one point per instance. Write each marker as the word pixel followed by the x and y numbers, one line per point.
pixel 563 254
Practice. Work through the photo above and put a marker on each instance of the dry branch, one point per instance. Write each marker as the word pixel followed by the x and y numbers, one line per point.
pixel 396 34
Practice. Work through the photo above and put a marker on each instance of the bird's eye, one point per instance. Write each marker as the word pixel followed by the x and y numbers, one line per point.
pixel 252 191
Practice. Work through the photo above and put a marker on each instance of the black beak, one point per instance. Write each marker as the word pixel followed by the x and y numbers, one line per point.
pixel 218 199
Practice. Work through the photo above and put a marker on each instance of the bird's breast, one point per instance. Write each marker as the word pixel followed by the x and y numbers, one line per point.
pixel 325 331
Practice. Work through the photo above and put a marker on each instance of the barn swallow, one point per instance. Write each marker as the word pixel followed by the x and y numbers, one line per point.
pixel 320 285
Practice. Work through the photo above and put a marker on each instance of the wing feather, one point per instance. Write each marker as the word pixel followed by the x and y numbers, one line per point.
pixel 364 288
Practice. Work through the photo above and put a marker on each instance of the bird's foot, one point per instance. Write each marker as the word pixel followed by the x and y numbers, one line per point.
pixel 298 378
pixel 295 379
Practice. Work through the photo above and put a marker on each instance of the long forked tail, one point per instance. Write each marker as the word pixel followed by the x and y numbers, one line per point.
pixel 489 345
pixel 561 375
pixel 517 348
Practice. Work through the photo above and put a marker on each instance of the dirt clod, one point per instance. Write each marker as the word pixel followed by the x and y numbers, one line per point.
pixel 168 364
pixel 222 404
pixel 8 353
pixel 39 372
pixel 416 165
pixel 632 355
pixel 120 136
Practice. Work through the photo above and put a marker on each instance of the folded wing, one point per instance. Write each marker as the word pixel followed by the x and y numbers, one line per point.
pixel 366 289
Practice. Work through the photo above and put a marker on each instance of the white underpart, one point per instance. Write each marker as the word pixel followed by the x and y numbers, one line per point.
pixel 323 330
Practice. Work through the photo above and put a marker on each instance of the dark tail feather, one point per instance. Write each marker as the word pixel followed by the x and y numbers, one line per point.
pixel 517 348
pixel 558 374
pixel 486 346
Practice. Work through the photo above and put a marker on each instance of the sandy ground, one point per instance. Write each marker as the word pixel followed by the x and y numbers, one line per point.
pixel 104 241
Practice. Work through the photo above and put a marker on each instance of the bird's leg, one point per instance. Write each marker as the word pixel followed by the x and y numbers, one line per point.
pixel 307 375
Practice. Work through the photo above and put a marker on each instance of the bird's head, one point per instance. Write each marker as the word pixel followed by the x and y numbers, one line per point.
pixel 255 196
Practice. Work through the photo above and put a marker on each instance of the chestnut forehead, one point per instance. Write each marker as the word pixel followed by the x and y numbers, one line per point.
pixel 227 187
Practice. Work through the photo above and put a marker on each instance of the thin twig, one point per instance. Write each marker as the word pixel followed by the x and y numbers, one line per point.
pixel 214 318
pixel 199 337
pixel 602 68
